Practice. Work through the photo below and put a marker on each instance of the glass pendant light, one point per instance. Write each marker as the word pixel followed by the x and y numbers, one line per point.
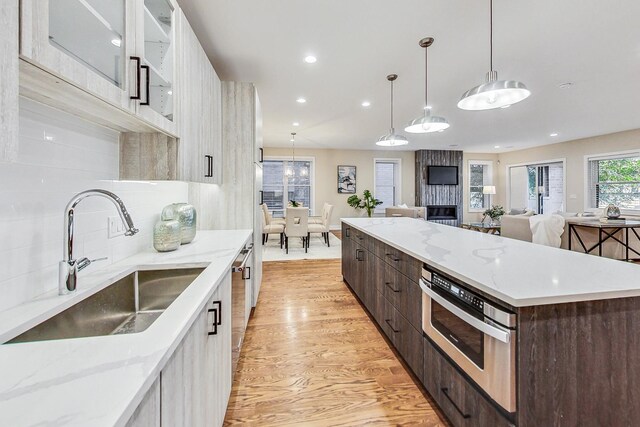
pixel 427 122
pixel 493 93
pixel 291 168
pixel 392 139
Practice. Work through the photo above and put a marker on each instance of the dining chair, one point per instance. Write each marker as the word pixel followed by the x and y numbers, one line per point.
pixel 271 229
pixel 319 219
pixel 269 218
pixel 297 225
pixel 324 226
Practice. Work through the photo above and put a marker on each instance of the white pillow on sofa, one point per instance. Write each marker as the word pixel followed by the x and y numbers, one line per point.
pixel 404 206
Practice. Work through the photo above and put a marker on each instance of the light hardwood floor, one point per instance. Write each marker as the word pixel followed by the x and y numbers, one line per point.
pixel 313 357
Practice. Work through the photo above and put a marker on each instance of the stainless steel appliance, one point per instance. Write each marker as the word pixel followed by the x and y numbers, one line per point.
pixel 241 272
pixel 475 333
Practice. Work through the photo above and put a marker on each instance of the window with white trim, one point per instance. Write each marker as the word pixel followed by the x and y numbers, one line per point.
pixel 386 175
pixel 285 181
pixel 480 174
pixel 614 179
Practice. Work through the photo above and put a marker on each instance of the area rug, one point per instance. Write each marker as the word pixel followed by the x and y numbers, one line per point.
pixel 317 249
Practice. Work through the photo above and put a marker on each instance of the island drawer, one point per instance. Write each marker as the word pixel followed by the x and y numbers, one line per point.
pixel 361 238
pixel 402 262
pixel 404 294
pixel 461 402
pixel 405 338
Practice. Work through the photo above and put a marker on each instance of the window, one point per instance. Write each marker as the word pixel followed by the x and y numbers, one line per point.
pixel 386 175
pixel 480 174
pixel 284 181
pixel 614 179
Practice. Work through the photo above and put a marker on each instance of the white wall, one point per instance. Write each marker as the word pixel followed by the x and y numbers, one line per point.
pixel 326 174
pixel 36 187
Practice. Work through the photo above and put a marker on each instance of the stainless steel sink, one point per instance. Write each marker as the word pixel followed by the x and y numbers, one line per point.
pixel 127 306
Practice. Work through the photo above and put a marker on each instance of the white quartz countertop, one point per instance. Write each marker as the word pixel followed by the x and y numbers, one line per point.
pixel 99 381
pixel 518 273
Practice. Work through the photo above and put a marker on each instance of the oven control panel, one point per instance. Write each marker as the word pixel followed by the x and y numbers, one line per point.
pixel 458 292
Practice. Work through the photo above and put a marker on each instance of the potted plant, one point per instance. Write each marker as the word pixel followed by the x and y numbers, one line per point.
pixel 294 204
pixel 367 202
pixel 494 212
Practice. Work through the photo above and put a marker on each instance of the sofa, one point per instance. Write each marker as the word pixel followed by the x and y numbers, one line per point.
pixel 518 227
pixel 411 212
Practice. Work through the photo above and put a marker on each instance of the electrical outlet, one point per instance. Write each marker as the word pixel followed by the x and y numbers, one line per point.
pixel 115 226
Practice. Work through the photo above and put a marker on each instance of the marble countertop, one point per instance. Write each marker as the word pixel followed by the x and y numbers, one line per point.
pixel 99 381
pixel 518 273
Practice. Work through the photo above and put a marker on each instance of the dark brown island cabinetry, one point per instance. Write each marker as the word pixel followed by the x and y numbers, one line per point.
pixel 577 363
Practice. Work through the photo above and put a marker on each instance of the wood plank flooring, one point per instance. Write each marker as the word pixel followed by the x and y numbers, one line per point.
pixel 312 357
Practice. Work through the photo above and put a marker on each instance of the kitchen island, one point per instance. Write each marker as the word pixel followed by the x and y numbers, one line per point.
pixel 115 380
pixel 575 352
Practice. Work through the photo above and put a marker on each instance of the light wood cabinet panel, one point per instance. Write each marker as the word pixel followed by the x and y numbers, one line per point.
pixel 199 109
pixel 148 156
pixel 148 412
pixel 8 80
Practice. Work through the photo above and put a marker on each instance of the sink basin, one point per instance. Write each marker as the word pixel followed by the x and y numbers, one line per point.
pixel 127 306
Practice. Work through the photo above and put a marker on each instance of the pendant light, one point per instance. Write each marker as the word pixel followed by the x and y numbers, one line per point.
pixel 291 168
pixel 493 93
pixel 427 122
pixel 392 139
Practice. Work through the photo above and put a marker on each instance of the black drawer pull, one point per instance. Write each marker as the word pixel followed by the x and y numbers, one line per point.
pixel 393 258
pixel 358 252
pixel 215 321
pixel 388 284
pixel 347 232
pixel 395 331
pixel 445 391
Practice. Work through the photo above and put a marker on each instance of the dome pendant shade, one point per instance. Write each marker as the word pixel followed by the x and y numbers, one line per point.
pixel 392 139
pixel 493 94
pixel 427 123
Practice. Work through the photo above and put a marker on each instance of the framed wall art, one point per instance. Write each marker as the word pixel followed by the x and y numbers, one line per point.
pixel 346 179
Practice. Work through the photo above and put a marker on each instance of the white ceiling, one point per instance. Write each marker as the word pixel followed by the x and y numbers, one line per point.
pixel 593 43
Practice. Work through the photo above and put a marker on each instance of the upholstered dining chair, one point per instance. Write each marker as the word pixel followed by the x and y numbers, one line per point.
pixel 271 229
pixel 297 225
pixel 269 218
pixel 319 219
pixel 323 228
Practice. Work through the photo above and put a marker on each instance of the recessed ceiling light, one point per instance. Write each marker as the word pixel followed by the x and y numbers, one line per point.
pixel 169 92
pixel 296 124
pixel 301 100
pixel 553 134
pixel 366 104
pixel 565 85
pixel 453 145
pixel 506 106
pixel 310 59
pixel 496 146
pixel 116 42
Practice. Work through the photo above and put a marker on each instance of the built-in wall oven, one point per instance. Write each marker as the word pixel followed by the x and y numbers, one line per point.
pixel 478 335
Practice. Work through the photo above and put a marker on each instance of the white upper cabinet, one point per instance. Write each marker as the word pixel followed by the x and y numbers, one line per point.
pixel 119 51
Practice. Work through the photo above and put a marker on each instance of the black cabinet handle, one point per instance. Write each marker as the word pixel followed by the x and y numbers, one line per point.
pixel 388 284
pixel 445 391
pixel 248 275
pixel 261 197
pixel 136 59
pixel 395 331
pixel 217 317
pixel 209 160
pixel 393 258
pixel 358 252
pixel 347 232
pixel 261 157
pixel 146 67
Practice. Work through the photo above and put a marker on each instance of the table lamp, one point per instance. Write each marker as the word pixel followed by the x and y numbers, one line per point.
pixel 489 189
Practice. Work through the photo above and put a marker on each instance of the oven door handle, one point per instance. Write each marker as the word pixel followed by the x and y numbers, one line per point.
pixel 493 331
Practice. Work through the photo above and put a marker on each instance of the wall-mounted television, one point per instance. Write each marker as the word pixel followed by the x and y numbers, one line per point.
pixel 442 175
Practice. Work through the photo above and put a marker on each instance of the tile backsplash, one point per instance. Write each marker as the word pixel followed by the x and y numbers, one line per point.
pixel 60 156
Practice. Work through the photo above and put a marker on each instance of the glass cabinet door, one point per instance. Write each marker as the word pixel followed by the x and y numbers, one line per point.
pixel 92 32
pixel 159 46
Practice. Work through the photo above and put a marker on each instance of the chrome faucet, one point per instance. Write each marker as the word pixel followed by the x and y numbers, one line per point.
pixel 69 267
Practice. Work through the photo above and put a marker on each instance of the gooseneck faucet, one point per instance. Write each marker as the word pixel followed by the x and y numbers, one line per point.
pixel 69 267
